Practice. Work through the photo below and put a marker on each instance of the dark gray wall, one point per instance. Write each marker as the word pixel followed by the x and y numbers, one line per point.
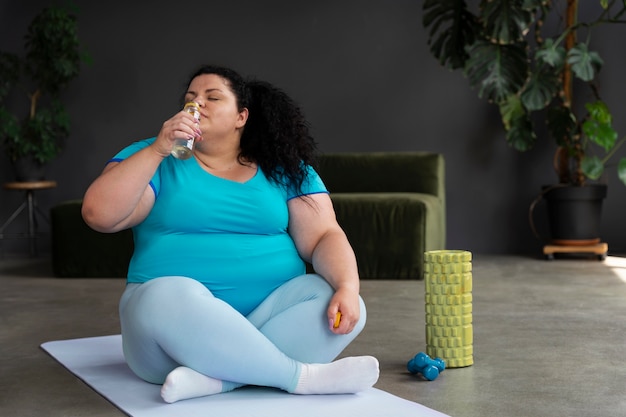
pixel 360 69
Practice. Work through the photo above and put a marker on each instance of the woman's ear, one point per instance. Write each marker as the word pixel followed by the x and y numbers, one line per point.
pixel 243 117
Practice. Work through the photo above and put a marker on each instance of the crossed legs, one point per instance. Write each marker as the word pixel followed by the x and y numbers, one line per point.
pixel 176 333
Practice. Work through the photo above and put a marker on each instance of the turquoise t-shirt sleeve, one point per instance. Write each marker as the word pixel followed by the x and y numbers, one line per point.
pixel 312 184
pixel 131 149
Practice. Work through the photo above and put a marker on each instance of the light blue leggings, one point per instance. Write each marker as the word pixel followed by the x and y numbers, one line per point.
pixel 176 321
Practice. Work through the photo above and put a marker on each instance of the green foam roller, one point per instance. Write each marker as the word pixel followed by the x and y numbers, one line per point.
pixel 449 328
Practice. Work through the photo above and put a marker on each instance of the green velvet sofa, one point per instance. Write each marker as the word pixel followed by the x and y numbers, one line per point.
pixel 80 252
pixel 390 204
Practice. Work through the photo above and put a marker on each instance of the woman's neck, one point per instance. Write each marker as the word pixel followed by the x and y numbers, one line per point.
pixel 226 164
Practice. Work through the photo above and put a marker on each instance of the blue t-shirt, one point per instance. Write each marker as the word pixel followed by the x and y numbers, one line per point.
pixel 230 236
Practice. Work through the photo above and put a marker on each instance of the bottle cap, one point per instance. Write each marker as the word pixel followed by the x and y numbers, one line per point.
pixel 191 104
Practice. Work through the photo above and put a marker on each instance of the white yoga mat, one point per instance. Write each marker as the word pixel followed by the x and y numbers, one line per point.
pixel 99 362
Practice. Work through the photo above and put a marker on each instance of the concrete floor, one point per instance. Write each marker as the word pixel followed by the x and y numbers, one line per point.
pixel 549 339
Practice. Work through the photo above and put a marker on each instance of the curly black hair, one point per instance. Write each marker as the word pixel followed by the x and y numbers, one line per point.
pixel 276 135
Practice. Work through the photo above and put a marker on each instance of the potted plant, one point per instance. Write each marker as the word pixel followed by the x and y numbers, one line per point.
pixel 524 56
pixel 33 120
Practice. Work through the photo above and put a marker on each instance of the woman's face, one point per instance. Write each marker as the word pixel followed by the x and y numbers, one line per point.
pixel 219 115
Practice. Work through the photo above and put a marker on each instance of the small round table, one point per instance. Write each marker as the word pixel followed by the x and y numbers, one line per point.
pixel 29 203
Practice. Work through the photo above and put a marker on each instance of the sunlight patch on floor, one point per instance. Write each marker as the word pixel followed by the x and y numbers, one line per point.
pixel 618 265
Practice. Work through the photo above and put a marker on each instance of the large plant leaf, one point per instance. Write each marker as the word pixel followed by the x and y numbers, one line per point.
pixel 497 70
pixel 562 124
pixel 510 109
pixel 451 29
pixel 540 89
pixel 592 166
pixel 551 54
pixel 598 110
pixel 41 136
pixel 598 126
pixel 584 63
pixel 505 21
pixel 520 133
pixel 600 133
pixel 521 136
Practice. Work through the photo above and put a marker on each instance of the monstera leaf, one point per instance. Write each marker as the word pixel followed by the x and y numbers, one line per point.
pixel 497 70
pixel 598 126
pixel 562 124
pixel 452 29
pixel 585 63
pixel 541 88
pixel 504 21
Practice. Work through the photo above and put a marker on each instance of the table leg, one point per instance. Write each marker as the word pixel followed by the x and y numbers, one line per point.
pixel 13 216
pixel 8 222
pixel 32 225
pixel 30 205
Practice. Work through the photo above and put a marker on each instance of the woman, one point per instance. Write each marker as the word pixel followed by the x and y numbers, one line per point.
pixel 217 294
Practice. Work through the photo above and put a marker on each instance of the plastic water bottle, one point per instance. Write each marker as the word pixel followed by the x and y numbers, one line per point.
pixel 183 147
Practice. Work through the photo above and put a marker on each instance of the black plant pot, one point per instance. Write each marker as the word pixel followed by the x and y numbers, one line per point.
pixel 29 169
pixel 574 213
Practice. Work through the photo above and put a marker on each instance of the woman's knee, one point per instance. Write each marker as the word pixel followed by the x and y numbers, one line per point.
pixel 174 286
pixel 312 285
pixel 160 292
pixel 362 317
pixel 324 289
pixel 161 300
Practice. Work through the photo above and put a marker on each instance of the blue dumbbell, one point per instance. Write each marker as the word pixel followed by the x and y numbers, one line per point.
pixel 425 365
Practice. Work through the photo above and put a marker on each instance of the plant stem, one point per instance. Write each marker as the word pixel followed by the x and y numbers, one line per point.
pixel 34 98
pixel 613 150
pixel 561 156
pixel 570 41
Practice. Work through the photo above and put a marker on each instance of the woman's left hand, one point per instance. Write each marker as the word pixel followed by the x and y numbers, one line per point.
pixel 346 303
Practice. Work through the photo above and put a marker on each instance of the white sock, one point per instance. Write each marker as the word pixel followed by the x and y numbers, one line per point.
pixel 345 376
pixel 184 383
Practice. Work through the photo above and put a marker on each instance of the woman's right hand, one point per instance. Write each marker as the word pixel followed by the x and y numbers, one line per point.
pixel 181 125
pixel 121 196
